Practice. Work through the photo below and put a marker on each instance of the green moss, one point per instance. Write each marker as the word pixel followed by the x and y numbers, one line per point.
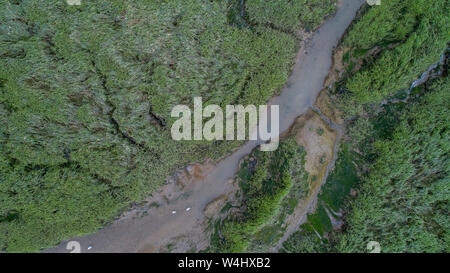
pixel 341 180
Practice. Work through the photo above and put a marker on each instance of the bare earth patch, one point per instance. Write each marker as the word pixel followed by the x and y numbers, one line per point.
pixel 311 132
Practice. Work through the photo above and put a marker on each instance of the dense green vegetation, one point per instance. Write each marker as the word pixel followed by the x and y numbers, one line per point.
pixel 399 162
pixel 266 180
pixel 403 201
pixel 288 15
pixel 403 197
pixel 411 35
pixel 86 93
